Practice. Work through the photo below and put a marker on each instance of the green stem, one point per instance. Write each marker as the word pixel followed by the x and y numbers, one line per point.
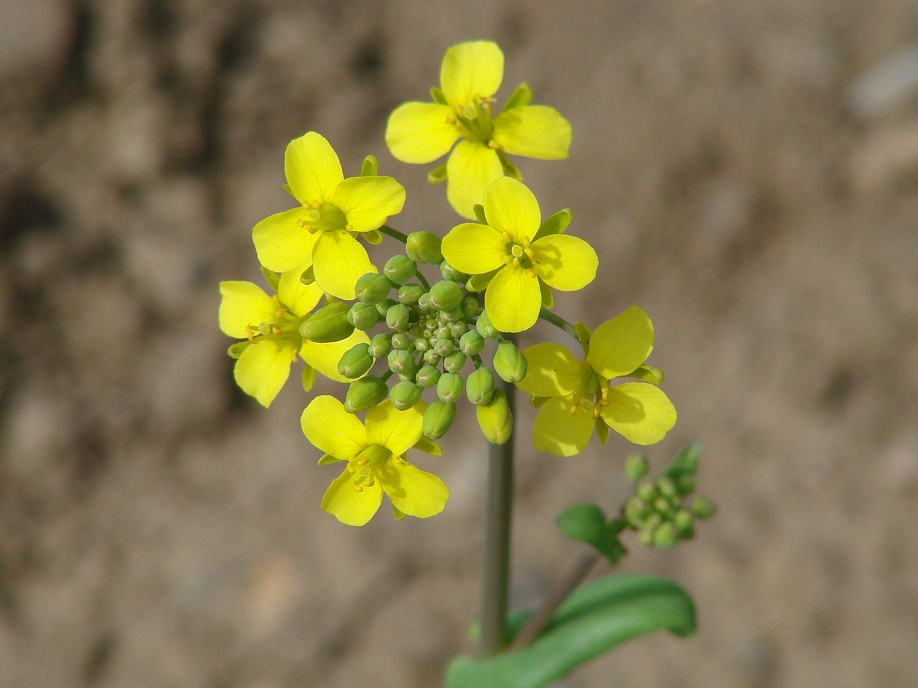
pixel 394 233
pixel 558 321
pixel 496 554
pixel 422 280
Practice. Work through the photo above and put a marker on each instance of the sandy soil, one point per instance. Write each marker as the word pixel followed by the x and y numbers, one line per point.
pixel 747 173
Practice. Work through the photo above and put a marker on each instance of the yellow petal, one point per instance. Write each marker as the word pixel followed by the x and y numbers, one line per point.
pixel 621 344
pixel 535 131
pixel 513 300
pixel 564 262
pixel 419 133
pixel 325 357
pixel 640 412
pixel 472 69
pixel 243 304
pixel 333 430
pixel 312 168
pixel 281 242
pixel 511 207
pixel 298 298
pixel 559 432
pixel 264 367
pixel 551 371
pixel 470 168
pixel 367 202
pixel 350 506
pixel 338 262
pixel 395 430
pixel 473 248
pixel 413 491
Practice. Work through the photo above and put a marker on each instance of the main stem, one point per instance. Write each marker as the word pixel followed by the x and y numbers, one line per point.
pixel 496 553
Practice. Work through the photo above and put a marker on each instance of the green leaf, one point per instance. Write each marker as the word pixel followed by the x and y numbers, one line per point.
pixel 587 523
pixel 594 619
pixel 556 224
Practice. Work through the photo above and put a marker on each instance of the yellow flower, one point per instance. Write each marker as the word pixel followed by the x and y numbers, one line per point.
pixel 471 73
pixel 579 396
pixel 333 210
pixel 521 263
pixel 269 327
pixel 375 461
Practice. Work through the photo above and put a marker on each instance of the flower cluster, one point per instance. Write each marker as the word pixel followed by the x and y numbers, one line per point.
pixel 399 334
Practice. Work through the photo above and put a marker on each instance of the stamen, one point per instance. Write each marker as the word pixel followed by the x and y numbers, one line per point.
pixel 516 262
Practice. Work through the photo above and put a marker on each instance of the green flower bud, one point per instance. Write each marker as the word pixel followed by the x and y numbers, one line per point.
pixel 410 293
pixel 431 357
pixel 471 343
pixel 427 376
pixel 647 492
pixel 666 487
pixel 424 247
pixel 421 344
pixel 662 506
pixel 470 307
pixel 449 386
pixel 634 512
pixel 454 362
pixel 401 341
pixel 401 363
pixel 484 326
pixel 451 273
pixel 665 536
pixel 362 316
pixel 453 315
pixel 405 394
pixel 457 329
pixel 372 288
pixel 443 347
pixel 685 484
pixel 509 362
pixel 356 361
pixel 636 467
pixel 383 306
pixel 380 346
pixel 479 387
pixel 645 535
pixel 424 301
pixel 495 419
pixel 442 332
pixel 438 418
pixel 445 295
pixel 704 507
pixel 400 269
pixel 328 324
pixel 397 317
pixel 683 521
pixel 364 394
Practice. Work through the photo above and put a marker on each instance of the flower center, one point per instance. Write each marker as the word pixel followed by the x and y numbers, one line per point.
pixel 324 218
pixel 366 465
pixel 284 323
pixel 518 255
pixel 474 120
pixel 591 395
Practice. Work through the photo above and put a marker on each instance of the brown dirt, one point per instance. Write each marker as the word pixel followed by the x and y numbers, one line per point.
pixel 157 528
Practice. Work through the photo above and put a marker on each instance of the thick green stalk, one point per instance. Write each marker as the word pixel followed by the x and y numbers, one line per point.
pixel 496 554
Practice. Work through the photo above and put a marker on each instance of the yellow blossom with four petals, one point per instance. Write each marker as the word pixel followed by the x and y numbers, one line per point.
pixel 321 233
pixel 578 394
pixel 420 132
pixel 522 264
pixel 269 327
pixel 375 456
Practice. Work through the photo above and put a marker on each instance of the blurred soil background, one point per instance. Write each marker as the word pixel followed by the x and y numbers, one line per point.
pixel 747 171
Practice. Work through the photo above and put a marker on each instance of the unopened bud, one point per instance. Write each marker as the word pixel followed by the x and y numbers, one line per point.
pixel 380 346
pixel 495 419
pixel 647 492
pixel 397 317
pixel 383 306
pixel 471 343
pixel 401 363
pixel 479 387
pixel 445 295
pixel 405 394
pixel 364 394
pixel 683 520
pixel 685 483
pixel 443 347
pixel 373 288
pixel 484 326
pixel 438 418
pixel 427 376
pixel 431 357
pixel 328 324
pixel 454 362
pixel 509 362
pixel 636 467
pixel 410 293
pixel 356 361
pixel 400 269
pixel 424 247
pixel 449 386
pixel 666 487
pixel 362 316
pixel 451 273
pixel 470 307
pixel 401 341
pixel 665 536
pixel 457 329
pixel 704 507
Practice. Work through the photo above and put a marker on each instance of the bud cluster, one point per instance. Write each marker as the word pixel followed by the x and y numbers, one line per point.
pixel 433 334
pixel 659 510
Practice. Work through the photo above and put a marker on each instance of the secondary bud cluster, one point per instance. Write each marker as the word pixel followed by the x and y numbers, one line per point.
pixel 433 334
